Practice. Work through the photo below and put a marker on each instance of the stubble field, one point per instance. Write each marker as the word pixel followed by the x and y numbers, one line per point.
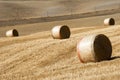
pixel 35 55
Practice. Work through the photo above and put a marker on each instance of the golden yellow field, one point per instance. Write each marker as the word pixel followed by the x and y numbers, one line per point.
pixel 35 55
pixel 39 56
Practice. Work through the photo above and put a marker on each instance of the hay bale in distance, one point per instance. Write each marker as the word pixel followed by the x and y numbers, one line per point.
pixel 12 33
pixel 94 48
pixel 109 21
pixel 61 32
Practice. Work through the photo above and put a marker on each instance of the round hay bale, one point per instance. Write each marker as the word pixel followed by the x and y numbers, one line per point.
pixel 94 48
pixel 12 33
pixel 109 21
pixel 61 32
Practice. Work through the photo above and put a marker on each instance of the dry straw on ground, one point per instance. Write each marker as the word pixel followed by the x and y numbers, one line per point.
pixel 39 57
pixel 43 58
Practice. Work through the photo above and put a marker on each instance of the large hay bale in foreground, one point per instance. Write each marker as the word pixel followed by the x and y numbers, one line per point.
pixel 61 32
pixel 94 48
pixel 109 21
pixel 12 33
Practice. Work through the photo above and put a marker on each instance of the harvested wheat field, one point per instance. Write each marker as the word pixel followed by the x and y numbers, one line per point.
pixel 40 57
pixel 35 55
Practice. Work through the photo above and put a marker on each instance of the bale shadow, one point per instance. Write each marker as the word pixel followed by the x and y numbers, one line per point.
pixel 114 57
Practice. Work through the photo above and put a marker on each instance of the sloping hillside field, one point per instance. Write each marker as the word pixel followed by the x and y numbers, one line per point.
pixel 35 55
pixel 39 56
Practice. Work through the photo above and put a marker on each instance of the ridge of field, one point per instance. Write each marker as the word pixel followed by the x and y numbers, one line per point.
pixel 40 57
pixel 57 18
pixel 26 29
